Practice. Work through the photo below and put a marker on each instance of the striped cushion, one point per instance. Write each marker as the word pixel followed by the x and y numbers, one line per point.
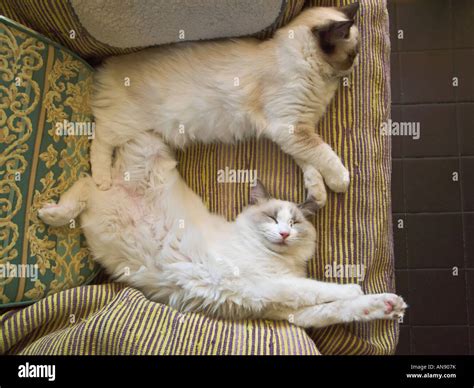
pixel 56 18
pixel 120 320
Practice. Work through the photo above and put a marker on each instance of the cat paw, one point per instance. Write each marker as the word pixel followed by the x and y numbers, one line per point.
pixel 314 183
pixel 338 178
pixel 333 171
pixel 102 179
pixel 383 306
pixel 54 214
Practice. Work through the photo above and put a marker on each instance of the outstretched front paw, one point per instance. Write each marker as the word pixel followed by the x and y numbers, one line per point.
pixel 383 306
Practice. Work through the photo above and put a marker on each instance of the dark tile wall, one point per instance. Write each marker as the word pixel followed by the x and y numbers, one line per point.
pixel 432 77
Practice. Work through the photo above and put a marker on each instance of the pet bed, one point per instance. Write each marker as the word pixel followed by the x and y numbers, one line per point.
pixel 353 230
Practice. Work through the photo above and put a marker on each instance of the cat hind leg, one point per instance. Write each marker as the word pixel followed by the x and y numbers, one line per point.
pixel 71 204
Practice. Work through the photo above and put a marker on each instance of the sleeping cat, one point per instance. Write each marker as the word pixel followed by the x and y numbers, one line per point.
pixel 154 233
pixel 232 89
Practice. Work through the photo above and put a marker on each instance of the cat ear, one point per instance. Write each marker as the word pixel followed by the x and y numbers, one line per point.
pixel 350 10
pixel 330 34
pixel 335 31
pixel 308 207
pixel 258 193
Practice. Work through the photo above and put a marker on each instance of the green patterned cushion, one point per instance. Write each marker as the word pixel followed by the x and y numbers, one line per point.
pixel 42 87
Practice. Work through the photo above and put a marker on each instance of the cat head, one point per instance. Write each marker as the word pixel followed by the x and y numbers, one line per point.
pixel 282 226
pixel 328 33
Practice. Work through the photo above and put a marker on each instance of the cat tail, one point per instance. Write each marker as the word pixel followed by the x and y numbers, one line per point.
pixel 71 204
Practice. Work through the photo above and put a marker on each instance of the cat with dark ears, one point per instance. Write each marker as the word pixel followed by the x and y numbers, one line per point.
pixel 228 90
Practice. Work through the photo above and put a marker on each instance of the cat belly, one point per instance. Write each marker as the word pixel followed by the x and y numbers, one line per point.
pixel 123 230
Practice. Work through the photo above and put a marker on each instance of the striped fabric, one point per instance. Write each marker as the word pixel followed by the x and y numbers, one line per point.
pixel 56 18
pixel 353 229
pixel 119 320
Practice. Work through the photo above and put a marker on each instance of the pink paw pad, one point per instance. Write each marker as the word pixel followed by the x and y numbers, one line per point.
pixel 366 311
pixel 389 306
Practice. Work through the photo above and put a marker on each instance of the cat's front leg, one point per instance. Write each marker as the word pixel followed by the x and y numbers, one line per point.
pixel 330 292
pixel 315 157
pixel 314 184
pixel 360 309
pixel 300 292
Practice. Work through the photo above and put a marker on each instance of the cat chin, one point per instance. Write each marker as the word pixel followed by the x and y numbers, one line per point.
pixel 280 246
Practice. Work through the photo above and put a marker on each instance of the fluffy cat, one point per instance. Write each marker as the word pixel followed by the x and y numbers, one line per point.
pixel 232 89
pixel 154 233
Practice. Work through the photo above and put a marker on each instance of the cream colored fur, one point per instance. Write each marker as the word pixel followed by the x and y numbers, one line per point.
pixel 155 234
pixel 229 90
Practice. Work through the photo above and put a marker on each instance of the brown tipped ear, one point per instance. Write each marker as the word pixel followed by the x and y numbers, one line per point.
pixel 336 30
pixel 350 10
pixel 330 34
pixel 309 207
pixel 258 193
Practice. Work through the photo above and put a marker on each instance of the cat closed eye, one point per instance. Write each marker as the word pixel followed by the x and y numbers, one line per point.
pixel 273 218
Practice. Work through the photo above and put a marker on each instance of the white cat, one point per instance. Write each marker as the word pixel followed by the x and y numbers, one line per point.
pixel 154 233
pixel 231 89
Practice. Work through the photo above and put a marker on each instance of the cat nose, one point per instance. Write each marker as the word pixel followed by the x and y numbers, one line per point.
pixel 284 235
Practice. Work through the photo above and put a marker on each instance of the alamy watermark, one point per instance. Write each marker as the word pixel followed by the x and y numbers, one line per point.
pixel 32 371
pixel 402 128
pixel 229 175
pixel 75 128
pixel 10 270
pixel 348 271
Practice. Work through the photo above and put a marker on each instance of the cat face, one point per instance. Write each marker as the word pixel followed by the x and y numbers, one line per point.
pixel 331 33
pixel 339 39
pixel 281 225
